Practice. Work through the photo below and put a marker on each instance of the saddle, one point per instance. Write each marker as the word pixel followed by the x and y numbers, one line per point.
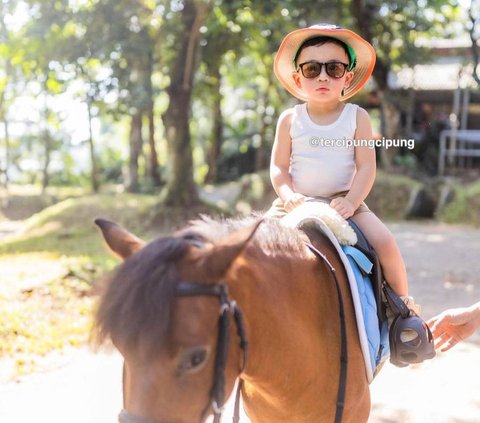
pixel 402 352
pixel 376 275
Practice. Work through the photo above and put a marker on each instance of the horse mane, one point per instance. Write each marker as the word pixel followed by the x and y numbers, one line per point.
pixel 136 304
pixel 271 236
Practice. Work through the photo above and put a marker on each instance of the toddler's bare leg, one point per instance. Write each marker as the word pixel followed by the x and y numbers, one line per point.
pixel 387 250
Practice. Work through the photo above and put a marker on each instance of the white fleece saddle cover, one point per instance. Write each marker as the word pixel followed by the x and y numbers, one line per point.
pixel 327 220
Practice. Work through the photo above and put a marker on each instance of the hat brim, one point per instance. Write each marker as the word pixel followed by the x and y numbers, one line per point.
pixel 284 68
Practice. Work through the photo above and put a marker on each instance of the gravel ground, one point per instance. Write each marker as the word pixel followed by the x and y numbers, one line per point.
pixel 444 267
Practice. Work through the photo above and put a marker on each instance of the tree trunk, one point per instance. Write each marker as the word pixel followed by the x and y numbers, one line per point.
pixel 180 189
pixel 153 167
pixel 3 108
pixel 154 170
pixel 7 153
pixel 216 140
pixel 46 161
pixel 91 144
pixel 390 124
pixel 364 14
pixel 262 152
pixel 135 148
pixel 47 148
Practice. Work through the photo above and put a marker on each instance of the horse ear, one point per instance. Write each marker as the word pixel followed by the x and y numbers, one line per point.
pixel 219 259
pixel 119 240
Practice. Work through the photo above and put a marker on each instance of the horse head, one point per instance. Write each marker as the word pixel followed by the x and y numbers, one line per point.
pixel 161 309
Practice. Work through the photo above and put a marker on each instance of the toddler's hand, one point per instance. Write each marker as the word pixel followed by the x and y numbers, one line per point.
pixel 343 206
pixel 293 201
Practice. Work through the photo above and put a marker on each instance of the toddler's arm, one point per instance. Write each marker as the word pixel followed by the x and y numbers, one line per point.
pixel 366 169
pixel 280 163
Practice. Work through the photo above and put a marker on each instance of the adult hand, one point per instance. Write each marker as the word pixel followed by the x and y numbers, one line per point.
pixel 295 200
pixel 343 206
pixel 454 325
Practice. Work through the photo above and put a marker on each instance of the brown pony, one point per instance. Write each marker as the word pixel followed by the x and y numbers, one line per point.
pixel 161 309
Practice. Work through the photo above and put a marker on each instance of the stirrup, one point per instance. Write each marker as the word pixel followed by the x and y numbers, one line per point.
pixel 404 352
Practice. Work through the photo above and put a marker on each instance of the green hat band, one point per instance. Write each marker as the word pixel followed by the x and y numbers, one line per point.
pixel 351 53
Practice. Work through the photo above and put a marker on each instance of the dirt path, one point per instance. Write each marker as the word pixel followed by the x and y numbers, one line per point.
pixel 10 227
pixel 444 267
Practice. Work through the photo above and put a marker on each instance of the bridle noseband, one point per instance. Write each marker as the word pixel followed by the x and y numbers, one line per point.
pixel 227 308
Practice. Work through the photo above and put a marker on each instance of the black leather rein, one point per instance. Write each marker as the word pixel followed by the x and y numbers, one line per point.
pixel 217 392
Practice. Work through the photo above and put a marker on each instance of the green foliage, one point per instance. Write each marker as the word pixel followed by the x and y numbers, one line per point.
pixel 397 28
pixel 116 55
pixel 465 207
pixel 390 195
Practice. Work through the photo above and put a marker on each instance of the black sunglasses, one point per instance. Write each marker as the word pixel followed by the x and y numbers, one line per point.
pixel 313 68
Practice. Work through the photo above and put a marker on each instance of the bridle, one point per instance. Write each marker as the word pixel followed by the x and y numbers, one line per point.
pixel 217 392
pixel 228 307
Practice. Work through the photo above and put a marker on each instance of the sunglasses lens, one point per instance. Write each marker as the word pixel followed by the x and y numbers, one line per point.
pixel 311 69
pixel 335 69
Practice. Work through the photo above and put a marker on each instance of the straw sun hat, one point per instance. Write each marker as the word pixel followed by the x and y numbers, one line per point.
pixel 362 50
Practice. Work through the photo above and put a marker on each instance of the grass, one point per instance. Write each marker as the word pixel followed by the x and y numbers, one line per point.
pixel 21 201
pixel 390 195
pixel 50 270
pixel 67 228
pixel 41 315
pixel 465 207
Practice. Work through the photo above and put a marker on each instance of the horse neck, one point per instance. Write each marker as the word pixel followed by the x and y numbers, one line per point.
pixel 291 312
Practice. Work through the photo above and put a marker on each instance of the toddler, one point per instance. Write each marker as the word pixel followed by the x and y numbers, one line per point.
pixel 314 154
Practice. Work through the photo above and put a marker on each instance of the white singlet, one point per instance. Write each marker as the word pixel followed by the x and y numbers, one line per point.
pixel 321 162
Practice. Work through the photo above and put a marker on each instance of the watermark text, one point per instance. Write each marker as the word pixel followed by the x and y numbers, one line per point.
pixel 377 143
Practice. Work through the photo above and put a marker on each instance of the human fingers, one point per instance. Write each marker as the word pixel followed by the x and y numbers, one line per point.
pixel 432 321
pixel 299 200
pixel 441 340
pixel 336 203
pixel 450 343
pixel 294 201
pixel 344 211
pixel 447 340
pixel 341 209
pixel 436 325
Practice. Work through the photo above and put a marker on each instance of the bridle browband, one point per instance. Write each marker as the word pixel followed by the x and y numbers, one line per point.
pixel 228 307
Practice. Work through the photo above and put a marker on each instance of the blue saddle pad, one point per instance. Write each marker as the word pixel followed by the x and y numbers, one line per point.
pixel 377 334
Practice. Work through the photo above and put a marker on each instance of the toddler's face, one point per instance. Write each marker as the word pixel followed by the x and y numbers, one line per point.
pixel 323 87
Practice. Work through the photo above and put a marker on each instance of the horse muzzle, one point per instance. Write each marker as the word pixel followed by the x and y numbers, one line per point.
pixel 126 417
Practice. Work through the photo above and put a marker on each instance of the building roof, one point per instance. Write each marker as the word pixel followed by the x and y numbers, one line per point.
pixel 437 76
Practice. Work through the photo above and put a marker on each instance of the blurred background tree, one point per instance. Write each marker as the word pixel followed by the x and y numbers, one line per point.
pixel 162 96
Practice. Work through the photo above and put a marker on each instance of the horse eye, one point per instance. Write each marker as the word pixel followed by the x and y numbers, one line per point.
pixel 193 359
